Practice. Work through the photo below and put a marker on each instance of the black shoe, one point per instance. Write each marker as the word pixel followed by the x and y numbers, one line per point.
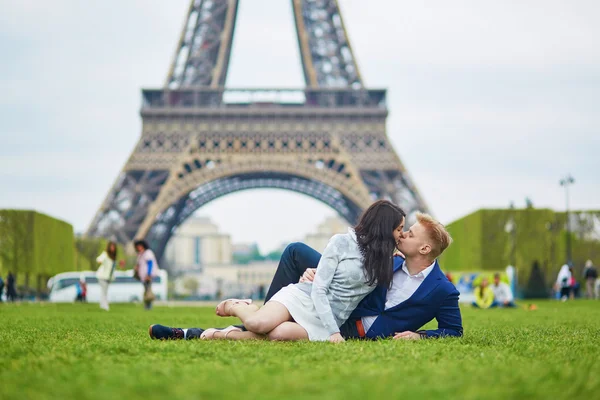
pixel 194 333
pixel 162 332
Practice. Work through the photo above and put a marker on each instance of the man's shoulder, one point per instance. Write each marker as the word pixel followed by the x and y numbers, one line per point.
pixel 448 287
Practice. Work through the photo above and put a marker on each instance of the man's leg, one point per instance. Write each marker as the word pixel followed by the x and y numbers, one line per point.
pixel 296 258
pixel 589 288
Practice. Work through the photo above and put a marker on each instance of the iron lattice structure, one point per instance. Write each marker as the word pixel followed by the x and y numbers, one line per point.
pixel 201 141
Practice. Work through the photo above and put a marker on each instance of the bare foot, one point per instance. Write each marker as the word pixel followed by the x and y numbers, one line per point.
pixel 224 308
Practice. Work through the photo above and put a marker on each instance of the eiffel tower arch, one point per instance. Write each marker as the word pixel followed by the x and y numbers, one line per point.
pixel 201 141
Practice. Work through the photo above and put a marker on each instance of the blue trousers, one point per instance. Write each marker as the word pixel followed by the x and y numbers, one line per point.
pixel 295 260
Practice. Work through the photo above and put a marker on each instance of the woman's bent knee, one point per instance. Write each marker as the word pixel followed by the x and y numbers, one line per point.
pixel 280 333
pixel 257 324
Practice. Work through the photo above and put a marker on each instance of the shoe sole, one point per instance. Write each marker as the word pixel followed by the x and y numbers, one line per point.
pixel 150 332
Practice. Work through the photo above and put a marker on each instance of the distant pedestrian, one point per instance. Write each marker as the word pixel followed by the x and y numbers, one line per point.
pixel 484 295
pixel 573 284
pixel 502 293
pixel 146 268
pixel 590 274
pixel 563 282
pixel 1 288
pixel 11 290
pixel 105 272
pixel 81 290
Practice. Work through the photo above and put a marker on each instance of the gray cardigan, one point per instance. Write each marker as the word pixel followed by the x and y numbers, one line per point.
pixel 340 282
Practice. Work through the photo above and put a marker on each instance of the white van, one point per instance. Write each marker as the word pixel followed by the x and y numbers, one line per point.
pixel 124 289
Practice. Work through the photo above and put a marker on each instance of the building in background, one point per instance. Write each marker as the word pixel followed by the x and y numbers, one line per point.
pixel 197 244
pixel 328 228
pixel 233 280
pixel 209 266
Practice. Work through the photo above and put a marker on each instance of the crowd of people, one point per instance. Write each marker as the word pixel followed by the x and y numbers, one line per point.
pixel 566 286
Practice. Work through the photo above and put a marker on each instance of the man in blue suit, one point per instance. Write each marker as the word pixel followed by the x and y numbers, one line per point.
pixel 419 293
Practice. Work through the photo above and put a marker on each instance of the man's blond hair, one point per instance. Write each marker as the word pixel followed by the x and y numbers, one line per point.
pixel 437 233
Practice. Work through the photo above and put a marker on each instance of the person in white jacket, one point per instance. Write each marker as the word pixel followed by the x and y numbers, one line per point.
pixel 105 272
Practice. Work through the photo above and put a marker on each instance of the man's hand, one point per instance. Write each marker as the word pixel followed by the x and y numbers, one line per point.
pixel 336 338
pixel 309 275
pixel 407 335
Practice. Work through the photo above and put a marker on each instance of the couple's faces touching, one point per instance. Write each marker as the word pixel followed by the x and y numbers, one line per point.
pixel 399 232
pixel 413 242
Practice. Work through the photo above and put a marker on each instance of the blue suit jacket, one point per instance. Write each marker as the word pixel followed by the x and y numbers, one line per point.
pixel 436 298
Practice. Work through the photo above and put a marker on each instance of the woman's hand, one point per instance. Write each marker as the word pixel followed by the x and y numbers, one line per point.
pixel 336 338
pixel 309 275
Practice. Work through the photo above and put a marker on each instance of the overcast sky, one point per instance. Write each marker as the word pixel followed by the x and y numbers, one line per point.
pixel 490 101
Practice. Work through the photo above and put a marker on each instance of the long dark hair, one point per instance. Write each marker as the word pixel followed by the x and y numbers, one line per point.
pixel 112 254
pixel 481 287
pixel 141 242
pixel 375 236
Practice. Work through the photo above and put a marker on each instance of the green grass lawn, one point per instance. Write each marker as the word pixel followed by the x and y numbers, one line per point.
pixel 76 351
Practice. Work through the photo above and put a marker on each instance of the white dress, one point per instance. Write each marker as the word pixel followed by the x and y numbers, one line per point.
pixel 322 306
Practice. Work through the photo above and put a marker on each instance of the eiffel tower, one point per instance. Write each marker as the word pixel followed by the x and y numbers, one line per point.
pixel 201 140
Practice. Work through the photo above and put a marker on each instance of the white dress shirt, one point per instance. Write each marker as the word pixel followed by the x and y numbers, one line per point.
pixel 502 292
pixel 404 285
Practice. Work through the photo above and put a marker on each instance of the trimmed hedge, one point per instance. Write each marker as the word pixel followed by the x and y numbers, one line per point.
pixel 482 243
pixel 34 247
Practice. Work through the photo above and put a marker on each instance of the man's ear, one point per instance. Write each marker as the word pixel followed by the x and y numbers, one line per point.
pixel 425 249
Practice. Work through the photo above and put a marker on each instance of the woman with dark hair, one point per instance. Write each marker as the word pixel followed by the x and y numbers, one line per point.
pixel 484 295
pixel 105 272
pixel 351 266
pixel 146 268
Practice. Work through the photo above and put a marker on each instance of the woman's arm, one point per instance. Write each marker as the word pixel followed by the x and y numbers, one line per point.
pixel 100 259
pixel 488 297
pixel 320 287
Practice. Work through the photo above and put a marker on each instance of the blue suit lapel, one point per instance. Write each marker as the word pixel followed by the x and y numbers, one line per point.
pixel 398 261
pixel 429 284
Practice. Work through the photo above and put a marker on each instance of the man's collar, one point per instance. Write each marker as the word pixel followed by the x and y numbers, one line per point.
pixel 423 274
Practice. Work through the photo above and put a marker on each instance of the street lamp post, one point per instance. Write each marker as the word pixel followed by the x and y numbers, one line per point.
pixel 566 182
pixel 511 228
pixel 511 270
